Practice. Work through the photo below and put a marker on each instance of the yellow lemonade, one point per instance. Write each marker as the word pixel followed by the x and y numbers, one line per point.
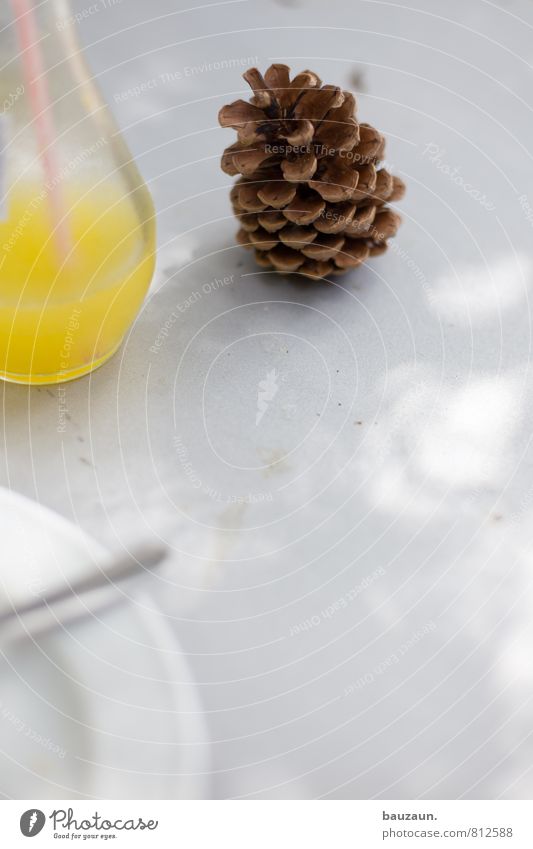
pixel 63 315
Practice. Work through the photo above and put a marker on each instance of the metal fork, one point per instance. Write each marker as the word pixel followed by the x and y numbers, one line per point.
pixel 82 599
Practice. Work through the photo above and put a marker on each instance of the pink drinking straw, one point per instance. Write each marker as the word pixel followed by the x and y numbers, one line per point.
pixel 41 108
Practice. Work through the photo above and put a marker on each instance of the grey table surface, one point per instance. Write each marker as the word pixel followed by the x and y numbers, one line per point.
pixel 351 571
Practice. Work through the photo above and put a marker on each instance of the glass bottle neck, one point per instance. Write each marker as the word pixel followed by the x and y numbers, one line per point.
pixel 49 25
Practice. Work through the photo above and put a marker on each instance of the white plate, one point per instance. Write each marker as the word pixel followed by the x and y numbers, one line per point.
pixel 105 708
pixel 40 550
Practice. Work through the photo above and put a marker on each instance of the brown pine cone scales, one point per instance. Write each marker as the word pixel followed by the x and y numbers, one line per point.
pixel 310 197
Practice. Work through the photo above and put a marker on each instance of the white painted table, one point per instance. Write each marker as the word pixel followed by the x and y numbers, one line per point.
pixel 351 575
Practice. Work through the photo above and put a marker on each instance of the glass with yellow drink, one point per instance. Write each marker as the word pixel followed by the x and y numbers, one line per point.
pixel 77 225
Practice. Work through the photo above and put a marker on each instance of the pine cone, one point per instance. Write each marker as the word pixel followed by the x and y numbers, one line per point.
pixel 310 197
